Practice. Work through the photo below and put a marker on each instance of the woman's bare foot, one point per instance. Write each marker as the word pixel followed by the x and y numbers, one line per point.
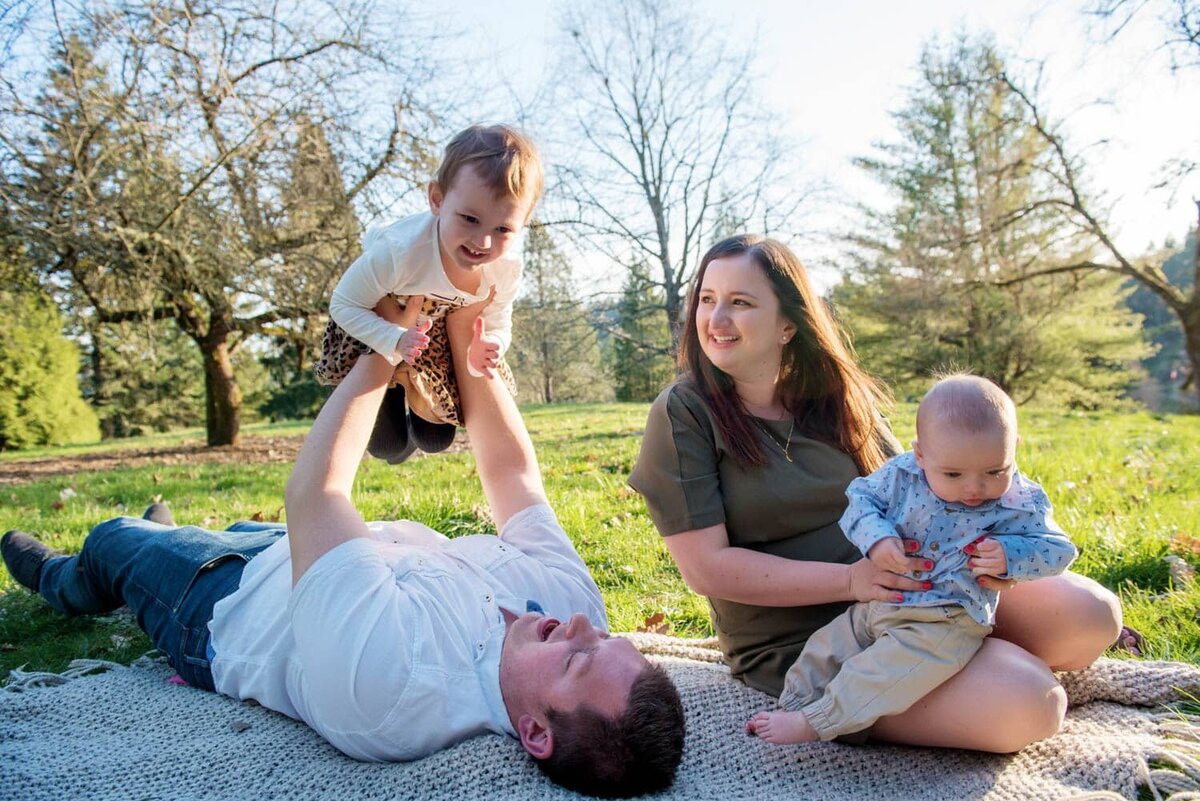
pixel 781 727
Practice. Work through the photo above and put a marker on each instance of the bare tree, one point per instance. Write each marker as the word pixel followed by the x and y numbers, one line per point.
pixel 965 170
pixel 154 168
pixel 1180 21
pixel 1071 203
pixel 673 146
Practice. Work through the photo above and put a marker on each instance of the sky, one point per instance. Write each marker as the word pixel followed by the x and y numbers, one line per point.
pixel 834 71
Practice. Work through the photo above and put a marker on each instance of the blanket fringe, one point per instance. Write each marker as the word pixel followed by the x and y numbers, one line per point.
pixel 22 680
pixel 1172 771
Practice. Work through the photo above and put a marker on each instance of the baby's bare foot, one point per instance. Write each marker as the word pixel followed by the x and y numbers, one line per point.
pixel 781 726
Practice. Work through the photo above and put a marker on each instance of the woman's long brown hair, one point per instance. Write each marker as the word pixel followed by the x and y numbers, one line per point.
pixel 821 385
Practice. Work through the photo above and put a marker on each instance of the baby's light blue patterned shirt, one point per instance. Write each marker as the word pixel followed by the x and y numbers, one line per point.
pixel 896 500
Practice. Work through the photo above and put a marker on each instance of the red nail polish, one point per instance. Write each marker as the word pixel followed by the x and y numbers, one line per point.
pixel 927 585
pixel 898 598
pixel 928 565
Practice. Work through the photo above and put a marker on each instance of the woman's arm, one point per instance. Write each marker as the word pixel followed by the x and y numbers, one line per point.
pixel 711 566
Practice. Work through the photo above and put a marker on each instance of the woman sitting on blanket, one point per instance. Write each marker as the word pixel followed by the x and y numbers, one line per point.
pixel 744 467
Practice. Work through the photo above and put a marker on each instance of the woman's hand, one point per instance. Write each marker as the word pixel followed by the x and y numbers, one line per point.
pixel 869 583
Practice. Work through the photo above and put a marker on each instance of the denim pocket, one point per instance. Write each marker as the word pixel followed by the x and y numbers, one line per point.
pixel 181 557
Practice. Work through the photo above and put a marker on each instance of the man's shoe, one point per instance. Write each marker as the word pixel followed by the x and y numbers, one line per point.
pixel 159 513
pixel 24 556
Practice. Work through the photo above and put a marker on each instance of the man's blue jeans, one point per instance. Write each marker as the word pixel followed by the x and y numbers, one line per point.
pixel 169 577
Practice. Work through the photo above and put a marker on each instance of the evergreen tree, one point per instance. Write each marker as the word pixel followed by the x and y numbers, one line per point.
pixel 143 376
pixel 40 402
pixel 326 231
pixel 555 354
pixel 931 287
pixel 640 350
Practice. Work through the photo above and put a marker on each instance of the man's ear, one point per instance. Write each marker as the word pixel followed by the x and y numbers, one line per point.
pixel 436 196
pixel 536 737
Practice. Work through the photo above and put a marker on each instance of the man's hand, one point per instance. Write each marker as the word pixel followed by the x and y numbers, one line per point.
pixel 484 352
pixel 987 558
pixel 888 554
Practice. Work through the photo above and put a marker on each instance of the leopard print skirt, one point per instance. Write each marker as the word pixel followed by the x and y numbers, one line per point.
pixel 429 383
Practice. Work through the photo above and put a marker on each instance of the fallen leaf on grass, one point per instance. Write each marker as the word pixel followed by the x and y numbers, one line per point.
pixel 655 624
pixel 257 517
pixel 1185 543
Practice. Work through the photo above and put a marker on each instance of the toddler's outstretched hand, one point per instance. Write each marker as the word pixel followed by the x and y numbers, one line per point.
pixel 888 554
pixel 414 340
pixel 484 352
pixel 987 558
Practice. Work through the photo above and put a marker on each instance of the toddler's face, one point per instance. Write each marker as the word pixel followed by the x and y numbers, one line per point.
pixel 475 227
pixel 967 468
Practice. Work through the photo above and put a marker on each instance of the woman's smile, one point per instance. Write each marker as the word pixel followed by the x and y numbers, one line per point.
pixel 738 320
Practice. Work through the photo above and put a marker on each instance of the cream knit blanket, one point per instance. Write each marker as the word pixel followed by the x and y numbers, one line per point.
pixel 128 733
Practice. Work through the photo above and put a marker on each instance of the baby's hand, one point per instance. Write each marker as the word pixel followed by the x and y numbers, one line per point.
pixel 414 341
pixel 988 557
pixel 484 352
pixel 888 554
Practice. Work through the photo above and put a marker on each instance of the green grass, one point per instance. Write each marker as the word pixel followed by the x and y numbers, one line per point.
pixel 1126 486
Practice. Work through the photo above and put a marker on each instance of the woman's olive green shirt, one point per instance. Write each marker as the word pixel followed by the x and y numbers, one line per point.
pixel 690 481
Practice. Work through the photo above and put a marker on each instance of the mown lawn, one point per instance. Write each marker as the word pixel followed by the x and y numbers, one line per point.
pixel 1126 486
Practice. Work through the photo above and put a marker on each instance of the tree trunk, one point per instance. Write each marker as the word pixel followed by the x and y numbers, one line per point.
pixel 547 378
pixel 1191 341
pixel 108 424
pixel 674 310
pixel 222 394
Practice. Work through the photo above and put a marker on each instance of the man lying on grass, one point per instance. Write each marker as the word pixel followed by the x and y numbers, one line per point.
pixel 389 639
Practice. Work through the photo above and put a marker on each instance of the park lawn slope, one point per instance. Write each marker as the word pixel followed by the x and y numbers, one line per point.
pixel 1124 485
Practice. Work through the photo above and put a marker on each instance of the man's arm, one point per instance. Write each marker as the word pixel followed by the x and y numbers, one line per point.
pixel 504 454
pixel 320 514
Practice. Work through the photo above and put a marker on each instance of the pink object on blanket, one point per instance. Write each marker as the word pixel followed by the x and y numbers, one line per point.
pixel 177 679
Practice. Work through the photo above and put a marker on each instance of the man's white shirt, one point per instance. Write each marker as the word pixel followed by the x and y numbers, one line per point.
pixel 390 647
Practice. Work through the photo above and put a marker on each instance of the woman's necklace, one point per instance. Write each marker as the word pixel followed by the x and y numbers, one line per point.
pixel 786 443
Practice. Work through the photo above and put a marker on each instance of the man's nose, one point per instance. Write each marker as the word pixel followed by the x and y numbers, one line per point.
pixel 579 627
